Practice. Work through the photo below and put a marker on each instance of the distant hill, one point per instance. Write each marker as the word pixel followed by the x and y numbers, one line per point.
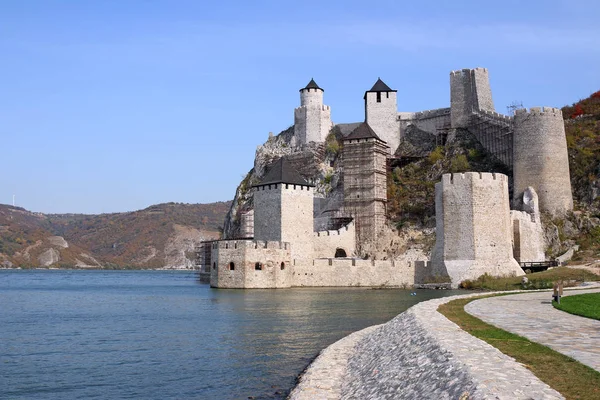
pixel 162 235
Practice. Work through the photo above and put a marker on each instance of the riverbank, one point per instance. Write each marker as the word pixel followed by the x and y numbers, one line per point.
pixel 419 354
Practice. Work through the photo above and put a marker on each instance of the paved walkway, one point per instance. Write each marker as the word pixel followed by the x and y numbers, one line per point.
pixel 532 315
pixel 418 355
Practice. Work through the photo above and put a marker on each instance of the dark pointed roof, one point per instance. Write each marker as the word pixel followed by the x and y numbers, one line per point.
pixel 379 86
pixel 364 131
pixel 283 172
pixel 312 85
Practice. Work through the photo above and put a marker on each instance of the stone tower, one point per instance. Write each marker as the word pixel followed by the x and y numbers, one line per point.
pixel 473 227
pixel 365 181
pixel 381 113
pixel 469 91
pixel 312 120
pixel 283 209
pixel 540 159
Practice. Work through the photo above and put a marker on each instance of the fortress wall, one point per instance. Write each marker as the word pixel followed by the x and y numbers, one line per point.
pixel 528 237
pixel 297 219
pixel 541 159
pixel 247 224
pixel 245 255
pixel 275 267
pixel 472 210
pixel 382 117
pixel 491 217
pixel 353 272
pixel 325 243
pixel 429 121
pixel 325 125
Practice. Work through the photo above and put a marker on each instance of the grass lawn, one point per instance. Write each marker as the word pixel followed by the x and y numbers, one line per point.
pixel 537 280
pixel 586 305
pixel 564 374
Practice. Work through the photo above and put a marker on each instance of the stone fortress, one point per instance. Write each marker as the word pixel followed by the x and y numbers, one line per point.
pixel 476 231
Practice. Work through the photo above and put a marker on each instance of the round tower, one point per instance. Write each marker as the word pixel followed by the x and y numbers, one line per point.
pixel 312 120
pixel 540 159
pixel 311 95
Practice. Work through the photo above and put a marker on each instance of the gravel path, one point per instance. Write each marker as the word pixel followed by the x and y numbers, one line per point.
pixel 419 354
pixel 532 315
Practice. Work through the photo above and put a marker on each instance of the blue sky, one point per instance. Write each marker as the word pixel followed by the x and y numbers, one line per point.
pixel 109 106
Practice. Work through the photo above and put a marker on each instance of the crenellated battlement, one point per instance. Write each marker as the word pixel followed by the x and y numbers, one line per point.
pixel 249 244
pixel 468 177
pixel 465 71
pixel 336 232
pixel 321 107
pixel 282 186
pixel 545 111
pixel 496 116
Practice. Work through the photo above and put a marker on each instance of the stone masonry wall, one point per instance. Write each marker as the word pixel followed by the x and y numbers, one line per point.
pixel 528 237
pixel 483 91
pixel 326 242
pixel 474 233
pixel 297 219
pixel 469 91
pixel 431 121
pixel 540 159
pixel 336 272
pixel 382 117
pixel 267 212
pixel 249 264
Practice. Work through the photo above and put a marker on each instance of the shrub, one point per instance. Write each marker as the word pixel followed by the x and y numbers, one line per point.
pixel 459 164
pixel 436 155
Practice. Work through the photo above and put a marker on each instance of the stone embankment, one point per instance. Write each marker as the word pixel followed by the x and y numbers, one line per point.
pixel 420 354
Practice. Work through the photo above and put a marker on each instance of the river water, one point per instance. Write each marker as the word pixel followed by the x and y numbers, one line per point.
pixel 164 335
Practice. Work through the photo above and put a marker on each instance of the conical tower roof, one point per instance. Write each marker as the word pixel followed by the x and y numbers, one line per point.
pixel 364 131
pixel 283 172
pixel 312 85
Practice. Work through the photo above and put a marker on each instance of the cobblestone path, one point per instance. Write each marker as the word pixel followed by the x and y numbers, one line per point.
pixel 532 315
pixel 418 355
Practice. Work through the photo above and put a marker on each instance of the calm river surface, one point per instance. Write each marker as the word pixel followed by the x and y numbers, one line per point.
pixel 164 335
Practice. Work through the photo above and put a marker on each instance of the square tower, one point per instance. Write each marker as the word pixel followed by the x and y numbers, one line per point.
pixel 283 209
pixel 381 113
pixel 469 92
